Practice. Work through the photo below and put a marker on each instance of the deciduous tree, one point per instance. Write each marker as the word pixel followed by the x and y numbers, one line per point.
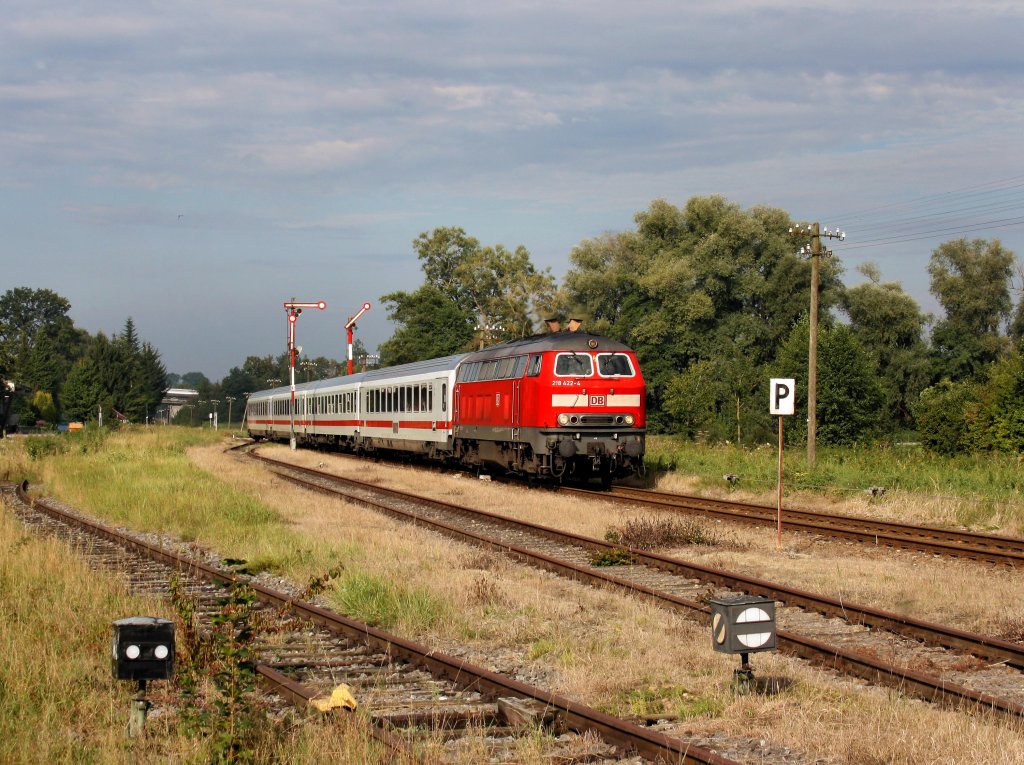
pixel 429 324
pixel 890 325
pixel 971 281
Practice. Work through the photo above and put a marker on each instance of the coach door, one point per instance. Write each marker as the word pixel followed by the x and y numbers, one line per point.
pixel 456 399
pixel 517 405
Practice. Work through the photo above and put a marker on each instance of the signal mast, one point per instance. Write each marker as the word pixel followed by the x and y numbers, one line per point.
pixel 349 326
pixel 293 310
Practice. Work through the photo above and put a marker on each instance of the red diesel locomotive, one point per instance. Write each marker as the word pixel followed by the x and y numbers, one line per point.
pixel 561 406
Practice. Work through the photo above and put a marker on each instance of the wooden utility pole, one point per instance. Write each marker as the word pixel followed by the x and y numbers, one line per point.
pixel 812 350
pixel 815 252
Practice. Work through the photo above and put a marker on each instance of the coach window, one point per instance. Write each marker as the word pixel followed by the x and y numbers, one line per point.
pixel 444 397
pixel 574 365
pixel 534 370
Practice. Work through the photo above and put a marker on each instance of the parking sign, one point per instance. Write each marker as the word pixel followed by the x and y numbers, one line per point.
pixel 782 396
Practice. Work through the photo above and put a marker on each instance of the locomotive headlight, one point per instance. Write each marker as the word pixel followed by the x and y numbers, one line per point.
pixel 630 419
pixel 563 419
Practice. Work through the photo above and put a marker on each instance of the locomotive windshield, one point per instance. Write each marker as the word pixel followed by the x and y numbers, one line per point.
pixel 614 365
pixel 574 365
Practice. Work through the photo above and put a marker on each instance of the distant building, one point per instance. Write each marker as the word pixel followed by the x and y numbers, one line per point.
pixel 175 398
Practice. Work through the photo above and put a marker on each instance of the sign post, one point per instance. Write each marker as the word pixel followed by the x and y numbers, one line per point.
pixel 782 402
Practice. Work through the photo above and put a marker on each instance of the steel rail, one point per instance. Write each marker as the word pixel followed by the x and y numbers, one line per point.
pixel 973 545
pixel 574 716
pixel 920 684
pixel 302 696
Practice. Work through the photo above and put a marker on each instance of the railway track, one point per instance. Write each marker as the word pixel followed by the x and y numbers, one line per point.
pixel 410 691
pixel 959 668
pixel 935 540
pixel 989 548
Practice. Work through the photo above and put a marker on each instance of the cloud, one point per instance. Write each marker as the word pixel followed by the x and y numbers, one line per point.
pixel 339 131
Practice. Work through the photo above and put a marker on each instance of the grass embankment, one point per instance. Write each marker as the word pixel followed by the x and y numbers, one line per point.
pixel 58 702
pixel 979 490
pixel 609 651
pixel 145 480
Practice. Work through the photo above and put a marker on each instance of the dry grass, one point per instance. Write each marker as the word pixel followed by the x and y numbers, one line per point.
pixel 613 652
pixel 609 651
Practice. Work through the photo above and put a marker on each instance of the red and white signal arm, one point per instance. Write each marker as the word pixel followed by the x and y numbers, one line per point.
pixel 782 396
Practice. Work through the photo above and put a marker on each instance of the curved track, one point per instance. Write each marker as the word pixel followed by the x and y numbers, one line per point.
pixel 469 682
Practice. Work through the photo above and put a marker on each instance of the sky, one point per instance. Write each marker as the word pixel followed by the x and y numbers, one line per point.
pixel 193 165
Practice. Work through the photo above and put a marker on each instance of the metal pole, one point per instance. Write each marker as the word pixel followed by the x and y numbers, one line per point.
pixel 140 706
pixel 350 347
pixel 812 351
pixel 291 352
pixel 349 326
pixel 778 538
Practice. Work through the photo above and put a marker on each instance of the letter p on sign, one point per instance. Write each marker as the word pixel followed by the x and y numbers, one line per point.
pixel 783 396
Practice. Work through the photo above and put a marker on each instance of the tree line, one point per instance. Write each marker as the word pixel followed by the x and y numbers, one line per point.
pixel 713 297
pixel 715 300
pixel 53 370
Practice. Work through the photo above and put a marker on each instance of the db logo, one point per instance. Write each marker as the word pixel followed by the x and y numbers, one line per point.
pixel 598 401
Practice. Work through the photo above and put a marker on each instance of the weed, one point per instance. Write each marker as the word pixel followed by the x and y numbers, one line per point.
pixel 1011 628
pixel 227 715
pixel 382 602
pixel 648 533
pixel 486 592
pixel 40 447
pixel 612 558
pixel 542 647
pixel 671 701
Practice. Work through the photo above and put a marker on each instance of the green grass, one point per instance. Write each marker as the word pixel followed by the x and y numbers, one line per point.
pixel 387 604
pixel 993 477
pixel 666 700
pixel 145 480
pixel 58 702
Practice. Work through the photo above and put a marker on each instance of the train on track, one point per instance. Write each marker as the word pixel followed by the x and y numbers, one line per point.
pixel 564 406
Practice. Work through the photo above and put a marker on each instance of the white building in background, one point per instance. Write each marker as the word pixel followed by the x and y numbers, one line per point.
pixel 174 399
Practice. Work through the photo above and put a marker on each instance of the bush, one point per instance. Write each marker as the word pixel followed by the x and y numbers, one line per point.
pixel 654 533
pixel 945 414
pixel 1001 412
pixel 40 447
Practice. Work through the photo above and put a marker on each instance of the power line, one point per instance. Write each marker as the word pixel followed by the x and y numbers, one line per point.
pixel 956 212
pixel 985 225
pixel 981 188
